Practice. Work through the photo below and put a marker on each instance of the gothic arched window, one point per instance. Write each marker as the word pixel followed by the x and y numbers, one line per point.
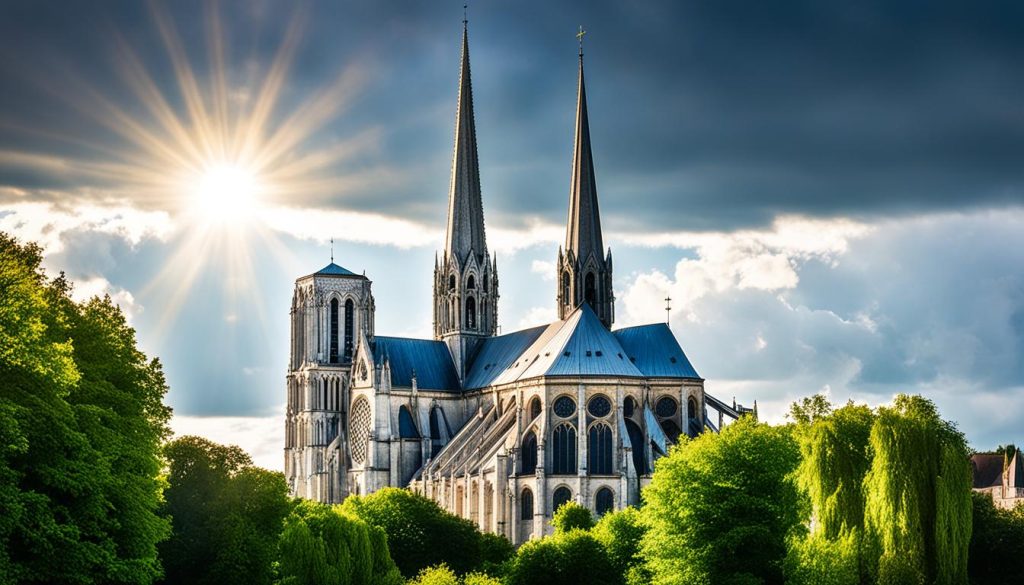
pixel 526 505
pixel 564 455
pixel 599 450
pixel 535 407
pixel 333 356
pixel 691 408
pixel 471 283
pixel 628 406
pixel 451 282
pixel 529 453
pixel 604 501
pixel 589 289
pixel 471 313
pixel 565 287
pixel 561 496
pixel 349 328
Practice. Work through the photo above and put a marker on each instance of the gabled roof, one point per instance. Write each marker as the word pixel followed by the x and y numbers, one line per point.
pixel 333 269
pixel 498 353
pixel 988 470
pixel 654 350
pixel 430 360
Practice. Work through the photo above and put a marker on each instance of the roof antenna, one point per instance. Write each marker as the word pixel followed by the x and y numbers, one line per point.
pixel 332 250
pixel 579 37
pixel 668 309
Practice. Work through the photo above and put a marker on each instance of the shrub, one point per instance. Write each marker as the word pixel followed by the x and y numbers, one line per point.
pixel 571 516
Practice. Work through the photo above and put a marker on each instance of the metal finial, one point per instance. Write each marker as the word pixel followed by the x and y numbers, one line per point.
pixel 465 13
pixel 332 250
pixel 579 37
pixel 668 308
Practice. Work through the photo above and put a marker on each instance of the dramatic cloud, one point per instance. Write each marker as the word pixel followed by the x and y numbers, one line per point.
pixel 933 304
pixel 48 223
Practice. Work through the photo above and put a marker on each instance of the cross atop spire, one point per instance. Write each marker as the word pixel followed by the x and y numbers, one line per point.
pixel 579 37
pixel 332 250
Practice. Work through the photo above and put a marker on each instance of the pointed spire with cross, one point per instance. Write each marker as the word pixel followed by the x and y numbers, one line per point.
pixel 668 309
pixel 579 37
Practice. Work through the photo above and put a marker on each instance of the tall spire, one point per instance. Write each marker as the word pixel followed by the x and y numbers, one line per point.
pixel 585 270
pixel 465 279
pixel 583 231
pixel 465 209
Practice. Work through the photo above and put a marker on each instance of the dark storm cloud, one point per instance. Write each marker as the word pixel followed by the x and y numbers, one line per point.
pixel 704 114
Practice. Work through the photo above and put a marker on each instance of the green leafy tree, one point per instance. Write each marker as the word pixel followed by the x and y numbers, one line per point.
pixel 442 575
pixel 836 458
pixel 420 534
pixel 227 514
pixel 917 496
pixel 997 543
pixel 322 545
pixel 721 506
pixel 82 420
pixel 572 516
pixel 566 558
pixel 809 409
pixel 621 533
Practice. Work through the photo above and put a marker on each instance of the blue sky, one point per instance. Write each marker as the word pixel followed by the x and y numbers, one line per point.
pixel 831 194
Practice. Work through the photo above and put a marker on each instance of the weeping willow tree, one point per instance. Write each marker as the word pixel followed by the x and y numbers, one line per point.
pixel 917 496
pixel 836 457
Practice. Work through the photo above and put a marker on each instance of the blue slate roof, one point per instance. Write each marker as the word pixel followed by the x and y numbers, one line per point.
pixel 588 349
pixel 653 349
pixel 430 359
pixel 333 269
pixel 497 353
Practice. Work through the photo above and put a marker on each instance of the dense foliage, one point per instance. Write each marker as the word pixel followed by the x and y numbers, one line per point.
pixel 566 558
pixel 622 533
pixel 442 575
pixel 421 534
pixel 81 422
pixel 889 493
pixel 227 515
pixel 572 516
pixel 997 543
pixel 321 545
pixel 721 506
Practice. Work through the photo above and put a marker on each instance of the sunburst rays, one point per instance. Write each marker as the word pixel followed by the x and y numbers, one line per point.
pixel 170 137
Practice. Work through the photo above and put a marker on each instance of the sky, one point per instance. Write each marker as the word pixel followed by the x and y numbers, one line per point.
pixel 831 193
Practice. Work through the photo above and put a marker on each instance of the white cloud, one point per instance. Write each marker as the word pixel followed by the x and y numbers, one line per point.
pixel 262 437
pixel 85 289
pixel 351 226
pixel 46 223
pixel 546 270
pixel 535 316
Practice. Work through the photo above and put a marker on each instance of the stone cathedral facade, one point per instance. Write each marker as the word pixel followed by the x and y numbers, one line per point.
pixel 500 429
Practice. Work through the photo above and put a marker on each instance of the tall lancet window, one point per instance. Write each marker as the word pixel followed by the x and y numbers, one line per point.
pixel 471 313
pixel 590 291
pixel 334 332
pixel 565 288
pixel 564 456
pixel 350 311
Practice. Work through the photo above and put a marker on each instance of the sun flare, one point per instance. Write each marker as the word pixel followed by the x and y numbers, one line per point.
pixel 226 194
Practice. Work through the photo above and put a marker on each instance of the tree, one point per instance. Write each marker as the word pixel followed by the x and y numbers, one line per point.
pixel 572 516
pixel 321 545
pixel 836 457
pixel 809 409
pixel 721 506
pixel 442 575
pixel 917 496
pixel 416 527
pixel 621 533
pixel 227 514
pixel 82 420
pixel 997 543
pixel 565 558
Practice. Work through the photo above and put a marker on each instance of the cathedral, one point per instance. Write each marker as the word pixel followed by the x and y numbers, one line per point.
pixel 499 429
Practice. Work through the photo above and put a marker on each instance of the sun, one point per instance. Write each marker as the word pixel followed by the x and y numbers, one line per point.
pixel 226 194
